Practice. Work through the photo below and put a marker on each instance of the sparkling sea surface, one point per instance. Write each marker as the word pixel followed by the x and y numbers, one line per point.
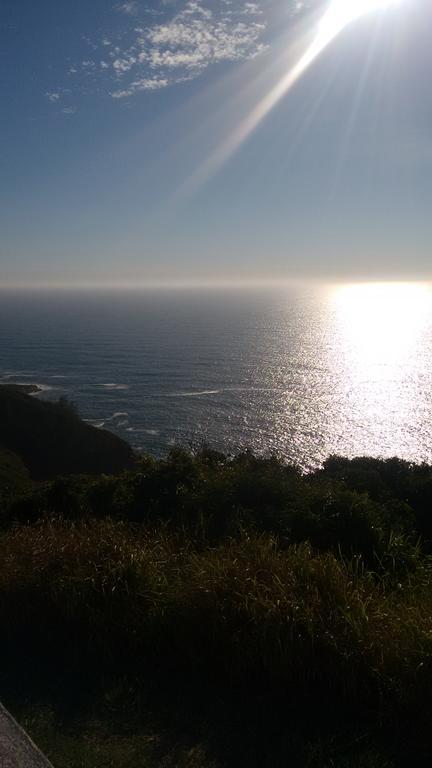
pixel 303 372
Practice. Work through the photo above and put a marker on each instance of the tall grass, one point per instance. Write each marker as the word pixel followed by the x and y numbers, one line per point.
pixel 104 596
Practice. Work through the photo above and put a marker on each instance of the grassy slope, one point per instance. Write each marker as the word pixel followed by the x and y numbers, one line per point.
pixel 211 612
pixel 272 646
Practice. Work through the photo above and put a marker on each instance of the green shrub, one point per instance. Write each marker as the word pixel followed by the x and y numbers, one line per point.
pixel 100 594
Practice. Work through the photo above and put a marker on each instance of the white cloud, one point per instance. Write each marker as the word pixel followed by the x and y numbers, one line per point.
pixel 53 96
pixel 144 84
pixel 130 7
pixel 196 37
pixel 196 8
pixel 252 9
pixel 69 110
pixel 201 33
pixel 186 45
pixel 124 65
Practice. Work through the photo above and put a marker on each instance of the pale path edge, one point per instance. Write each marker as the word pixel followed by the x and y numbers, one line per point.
pixel 17 750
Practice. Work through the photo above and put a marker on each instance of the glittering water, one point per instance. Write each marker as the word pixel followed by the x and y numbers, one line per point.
pixel 304 372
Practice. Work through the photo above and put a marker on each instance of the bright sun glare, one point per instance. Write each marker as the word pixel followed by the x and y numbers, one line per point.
pixel 347 10
pixel 382 323
pixel 381 349
pixel 339 14
pixel 342 12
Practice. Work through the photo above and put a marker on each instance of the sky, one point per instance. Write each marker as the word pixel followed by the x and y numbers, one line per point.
pixel 153 142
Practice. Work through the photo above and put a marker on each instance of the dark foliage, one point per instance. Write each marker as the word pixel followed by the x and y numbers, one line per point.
pixel 211 497
pixel 299 604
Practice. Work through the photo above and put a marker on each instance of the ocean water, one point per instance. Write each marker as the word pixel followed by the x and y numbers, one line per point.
pixel 303 372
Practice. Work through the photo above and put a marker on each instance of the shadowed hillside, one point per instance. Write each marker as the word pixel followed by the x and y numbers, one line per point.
pixel 51 439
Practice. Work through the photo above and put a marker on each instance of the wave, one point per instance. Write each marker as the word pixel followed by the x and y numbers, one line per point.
pixel 14 374
pixel 95 423
pixel 140 430
pixel 223 389
pixel 253 389
pixel 195 394
pixel 118 419
pixel 41 388
pixel 114 386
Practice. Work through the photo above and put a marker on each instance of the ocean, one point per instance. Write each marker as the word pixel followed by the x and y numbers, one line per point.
pixel 300 371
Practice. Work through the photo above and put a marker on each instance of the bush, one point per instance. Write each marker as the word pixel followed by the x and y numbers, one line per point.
pixel 106 596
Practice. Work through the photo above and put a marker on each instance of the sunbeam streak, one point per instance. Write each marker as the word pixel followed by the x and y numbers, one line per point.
pixel 339 14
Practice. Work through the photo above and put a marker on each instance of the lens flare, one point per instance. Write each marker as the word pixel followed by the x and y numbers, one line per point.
pixel 339 14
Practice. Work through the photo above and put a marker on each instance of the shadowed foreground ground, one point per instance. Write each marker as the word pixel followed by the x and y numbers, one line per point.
pixel 206 610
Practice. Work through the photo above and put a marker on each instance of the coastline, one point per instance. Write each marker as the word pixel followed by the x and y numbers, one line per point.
pixel 26 389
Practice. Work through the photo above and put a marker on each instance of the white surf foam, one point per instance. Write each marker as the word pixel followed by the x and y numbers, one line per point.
pixel 114 386
pixel 118 419
pixel 194 394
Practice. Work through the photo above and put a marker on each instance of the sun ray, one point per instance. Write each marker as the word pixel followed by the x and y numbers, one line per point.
pixel 350 126
pixel 339 14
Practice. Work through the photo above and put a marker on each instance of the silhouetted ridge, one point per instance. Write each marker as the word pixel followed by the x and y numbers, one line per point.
pixel 51 439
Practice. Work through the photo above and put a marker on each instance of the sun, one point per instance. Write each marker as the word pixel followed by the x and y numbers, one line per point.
pixel 343 12
pixel 337 15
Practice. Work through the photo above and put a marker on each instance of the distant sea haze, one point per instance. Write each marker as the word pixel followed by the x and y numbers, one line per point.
pixel 301 372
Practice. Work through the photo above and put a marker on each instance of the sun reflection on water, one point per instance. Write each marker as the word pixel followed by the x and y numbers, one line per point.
pixel 382 323
pixel 381 350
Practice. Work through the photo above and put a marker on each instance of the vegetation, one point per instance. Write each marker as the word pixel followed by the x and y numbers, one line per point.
pixel 207 611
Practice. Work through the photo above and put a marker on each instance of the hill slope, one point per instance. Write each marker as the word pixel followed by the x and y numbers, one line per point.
pixel 51 439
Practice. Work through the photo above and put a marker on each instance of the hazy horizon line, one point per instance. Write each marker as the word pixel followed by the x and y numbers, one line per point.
pixel 216 283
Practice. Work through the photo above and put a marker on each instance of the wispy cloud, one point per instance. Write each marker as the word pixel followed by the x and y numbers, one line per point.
pixel 123 65
pixel 143 84
pixel 252 9
pixel 53 96
pixel 181 41
pixel 61 98
pixel 187 44
pixel 130 8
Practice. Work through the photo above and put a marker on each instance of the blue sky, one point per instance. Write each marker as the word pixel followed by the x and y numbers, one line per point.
pixel 118 155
